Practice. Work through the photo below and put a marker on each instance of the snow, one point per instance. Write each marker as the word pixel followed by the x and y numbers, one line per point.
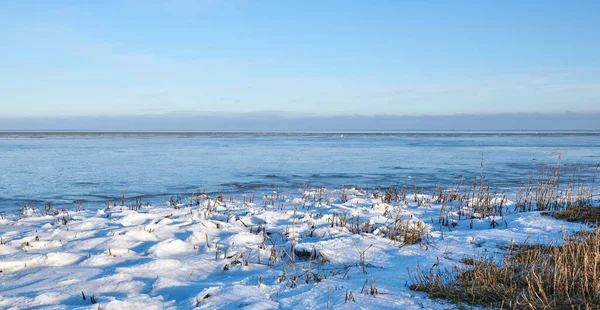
pixel 219 255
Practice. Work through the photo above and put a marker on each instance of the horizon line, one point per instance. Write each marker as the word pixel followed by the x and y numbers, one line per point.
pixel 291 114
pixel 4 133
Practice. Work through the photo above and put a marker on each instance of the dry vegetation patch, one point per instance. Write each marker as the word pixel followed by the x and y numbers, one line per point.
pixel 565 276
pixel 584 214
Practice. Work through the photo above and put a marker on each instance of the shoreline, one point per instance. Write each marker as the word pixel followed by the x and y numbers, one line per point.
pixel 312 248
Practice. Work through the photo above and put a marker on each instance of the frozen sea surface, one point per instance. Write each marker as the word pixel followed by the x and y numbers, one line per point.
pixel 65 168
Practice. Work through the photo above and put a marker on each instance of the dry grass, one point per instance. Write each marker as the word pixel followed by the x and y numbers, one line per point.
pixel 584 214
pixel 549 276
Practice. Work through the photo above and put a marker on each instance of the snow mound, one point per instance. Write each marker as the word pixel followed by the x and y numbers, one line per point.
pixel 170 248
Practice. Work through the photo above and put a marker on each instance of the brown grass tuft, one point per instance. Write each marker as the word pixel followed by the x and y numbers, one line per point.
pixel 548 276
pixel 582 214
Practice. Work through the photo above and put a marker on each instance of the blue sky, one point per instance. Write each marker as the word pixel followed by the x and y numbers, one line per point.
pixel 119 58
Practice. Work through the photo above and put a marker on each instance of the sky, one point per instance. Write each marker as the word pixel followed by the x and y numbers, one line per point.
pixel 67 59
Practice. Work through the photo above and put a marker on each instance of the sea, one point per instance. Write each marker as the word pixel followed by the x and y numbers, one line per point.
pixel 92 168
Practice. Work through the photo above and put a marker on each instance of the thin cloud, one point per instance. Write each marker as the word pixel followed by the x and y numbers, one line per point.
pixel 283 120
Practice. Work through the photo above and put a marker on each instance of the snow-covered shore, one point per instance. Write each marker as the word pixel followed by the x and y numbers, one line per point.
pixel 285 251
